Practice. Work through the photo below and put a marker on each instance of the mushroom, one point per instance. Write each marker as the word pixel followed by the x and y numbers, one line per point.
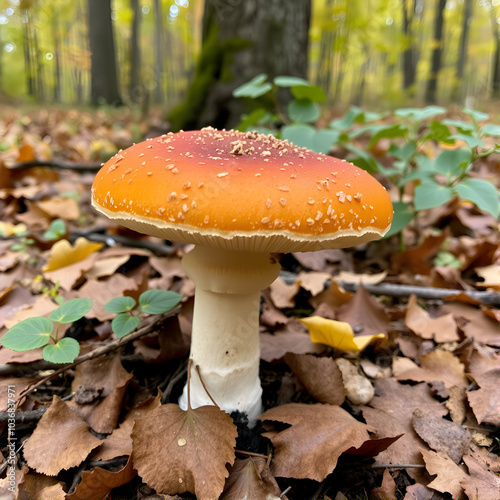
pixel 240 198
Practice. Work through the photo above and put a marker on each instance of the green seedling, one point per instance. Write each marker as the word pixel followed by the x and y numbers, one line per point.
pixel 56 231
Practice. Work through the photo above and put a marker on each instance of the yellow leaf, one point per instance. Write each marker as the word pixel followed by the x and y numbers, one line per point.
pixel 337 334
pixel 63 254
pixel 9 229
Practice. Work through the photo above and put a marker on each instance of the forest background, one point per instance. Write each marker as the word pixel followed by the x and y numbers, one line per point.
pixel 376 53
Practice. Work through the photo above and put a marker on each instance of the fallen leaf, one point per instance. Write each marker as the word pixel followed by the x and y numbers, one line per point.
pixel 250 479
pixel 442 329
pixel 40 487
pixel 456 404
pixel 439 365
pixel 313 282
pixel 364 313
pixel 490 275
pixel 9 487
pixel 442 435
pixel 318 261
pixel 449 474
pixel 312 371
pixel 418 492
pixel 367 279
pixel 330 300
pixel 74 442
pixel 105 377
pixel 358 389
pixel 96 483
pixel 59 207
pixel 282 294
pixel 318 435
pixel 481 484
pixel 386 490
pixel 177 451
pixel 106 266
pixel 485 402
pixel 337 334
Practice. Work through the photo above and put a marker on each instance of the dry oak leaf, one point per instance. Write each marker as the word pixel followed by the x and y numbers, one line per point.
pixel 442 329
pixel 106 377
pixel 63 207
pixel 386 490
pixel 490 275
pixel 60 441
pixel 320 376
pixel 318 435
pixel 313 282
pixel 337 334
pixel 251 479
pixel 40 487
pixel 9 491
pixel 481 483
pixel 176 451
pixel 449 474
pixel 96 483
pixel 282 294
pixel 438 366
pixel 485 402
pixel 442 435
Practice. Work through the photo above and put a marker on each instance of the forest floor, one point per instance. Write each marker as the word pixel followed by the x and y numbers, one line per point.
pixel 430 430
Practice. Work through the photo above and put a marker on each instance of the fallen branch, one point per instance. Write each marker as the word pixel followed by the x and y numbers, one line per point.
pixel 100 351
pixel 23 417
pixel 58 164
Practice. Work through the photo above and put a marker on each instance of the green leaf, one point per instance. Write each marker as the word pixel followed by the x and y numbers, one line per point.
pixel 447 259
pixel 402 217
pixel 430 194
pixel 124 324
pixel 353 115
pixel 405 152
pixel 158 301
pixel 439 132
pixel 65 351
pixel 364 160
pixel 452 162
pixel 390 132
pixel 299 134
pixel 31 333
pixel 470 140
pixel 478 116
pixel 462 127
pixel 256 87
pixel 303 111
pixel 311 92
pixel 290 81
pixel 120 305
pixel 491 129
pixel 56 230
pixel 324 139
pixel 418 114
pixel 256 116
pixel 480 192
pixel 71 311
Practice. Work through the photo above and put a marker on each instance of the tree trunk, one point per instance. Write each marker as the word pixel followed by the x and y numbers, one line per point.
pixel 104 81
pixel 496 61
pixel 462 54
pixel 241 40
pixel 412 11
pixel 158 51
pixel 431 92
pixel 136 90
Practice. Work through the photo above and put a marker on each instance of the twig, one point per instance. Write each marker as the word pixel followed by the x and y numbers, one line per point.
pixel 181 371
pixel 59 164
pixel 251 454
pixel 23 417
pixel 101 351
pixel 197 368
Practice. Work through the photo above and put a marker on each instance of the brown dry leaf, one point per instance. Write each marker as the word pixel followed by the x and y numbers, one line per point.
pixel 177 451
pixel 40 487
pixel 490 275
pixel 489 460
pixel 66 264
pixel 442 329
pixel 330 300
pixel 365 314
pixel 106 266
pixel 442 435
pixel 283 295
pixel 64 208
pixel 96 483
pixel 320 376
pixel 318 435
pixel 439 365
pixel 367 279
pixel 9 491
pixel 481 484
pixel 485 402
pixel 42 306
pixel 106 380
pixel 418 492
pixel 49 455
pixel 456 404
pixel 386 490
pixel 449 474
pixel 293 337
pixel 250 479
pixel 318 261
pixel 313 282
pixel 119 442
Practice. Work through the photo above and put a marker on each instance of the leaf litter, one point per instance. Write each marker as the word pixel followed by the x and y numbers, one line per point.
pixel 430 426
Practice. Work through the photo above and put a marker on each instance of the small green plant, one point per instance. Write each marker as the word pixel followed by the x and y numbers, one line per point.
pixel 36 332
pixel 56 230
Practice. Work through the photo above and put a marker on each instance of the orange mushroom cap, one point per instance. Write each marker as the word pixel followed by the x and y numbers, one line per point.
pixel 241 191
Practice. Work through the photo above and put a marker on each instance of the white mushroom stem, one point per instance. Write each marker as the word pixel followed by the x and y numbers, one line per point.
pixel 225 334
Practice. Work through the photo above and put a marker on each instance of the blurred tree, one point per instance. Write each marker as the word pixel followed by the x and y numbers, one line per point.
pixel 104 81
pixel 462 54
pixel 241 39
pixel 135 53
pixel 159 52
pixel 412 17
pixel 437 52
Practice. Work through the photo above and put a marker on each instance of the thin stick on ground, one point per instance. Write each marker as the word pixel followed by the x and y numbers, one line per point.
pixel 100 351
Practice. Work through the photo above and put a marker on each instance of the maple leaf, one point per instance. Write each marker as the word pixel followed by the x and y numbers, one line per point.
pixel 337 334
pixel 318 435
pixel 449 474
pixel 49 455
pixel 177 451
pixel 485 402
pixel 481 484
pixel 250 478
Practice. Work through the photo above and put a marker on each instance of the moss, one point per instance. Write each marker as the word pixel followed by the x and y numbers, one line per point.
pixel 213 65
